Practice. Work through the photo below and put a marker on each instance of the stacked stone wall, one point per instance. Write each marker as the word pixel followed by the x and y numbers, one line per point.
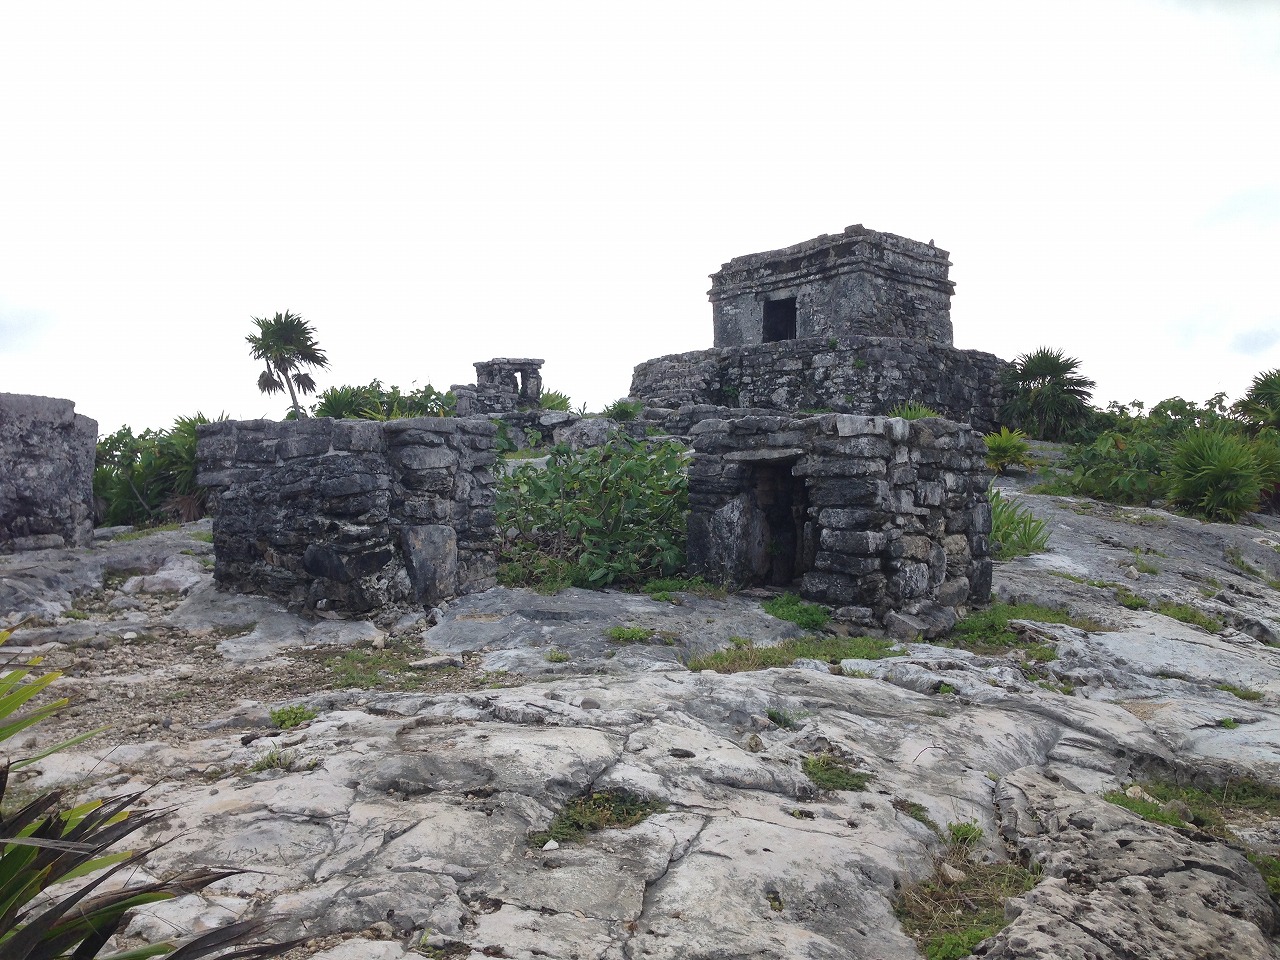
pixel 46 473
pixel 891 518
pixel 862 375
pixel 352 515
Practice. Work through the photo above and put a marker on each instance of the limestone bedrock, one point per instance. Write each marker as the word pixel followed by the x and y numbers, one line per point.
pixel 401 820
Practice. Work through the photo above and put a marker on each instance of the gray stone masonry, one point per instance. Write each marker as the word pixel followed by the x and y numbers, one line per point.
pixel 887 519
pixel 865 375
pixel 502 385
pixel 46 473
pixel 352 515
pixel 857 283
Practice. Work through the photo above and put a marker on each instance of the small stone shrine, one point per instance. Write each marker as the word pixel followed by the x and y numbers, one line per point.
pixel 352 515
pixel 885 519
pixel 503 385
pixel 858 322
pixel 46 473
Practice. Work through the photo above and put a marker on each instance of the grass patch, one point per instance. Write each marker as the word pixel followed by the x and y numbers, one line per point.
pixel 1130 600
pixel 1234 557
pixel 556 656
pixel 1210 811
pixel 148 531
pixel 786 719
pixel 274 759
pixel 287 718
pixel 629 634
pixel 380 669
pixel 1189 614
pixel 790 607
pixel 1228 723
pixel 602 810
pixel 1067 576
pixel 745 655
pixel 1244 693
pixel 988 631
pixel 948 919
pixel 916 811
pixel 831 773
pixel 75 615
pixel 204 536
pixel 665 588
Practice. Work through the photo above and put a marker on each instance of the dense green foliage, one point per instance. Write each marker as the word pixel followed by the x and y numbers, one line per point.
pixel 150 477
pixel 913 411
pixel 1046 396
pixel 46 841
pixel 1008 448
pixel 623 410
pixel 788 606
pixel 1015 530
pixel 554 400
pixel 285 344
pixel 603 515
pixel 373 401
pixel 1215 475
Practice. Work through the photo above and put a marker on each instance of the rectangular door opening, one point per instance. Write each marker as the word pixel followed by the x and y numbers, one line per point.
pixel 779 319
pixel 783 547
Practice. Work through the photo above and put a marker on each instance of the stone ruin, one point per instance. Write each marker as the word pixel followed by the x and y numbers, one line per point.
pixel 858 322
pixel 352 515
pixel 503 385
pixel 47 455
pixel 885 519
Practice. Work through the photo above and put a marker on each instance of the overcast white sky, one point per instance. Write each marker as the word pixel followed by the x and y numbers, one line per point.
pixel 431 184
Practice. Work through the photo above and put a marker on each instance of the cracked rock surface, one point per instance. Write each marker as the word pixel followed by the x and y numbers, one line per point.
pixel 400 820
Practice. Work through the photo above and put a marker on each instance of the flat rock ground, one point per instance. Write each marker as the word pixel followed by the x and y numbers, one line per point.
pixel 398 820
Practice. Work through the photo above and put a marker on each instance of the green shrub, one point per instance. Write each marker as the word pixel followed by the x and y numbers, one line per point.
pixel 1008 448
pixel 1046 397
pixel 555 400
pixel 623 410
pixel 1215 475
pixel 288 717
pixel 811 616
pixel 614 513
pixel 1015 530
pixel 47 841
pixel 965 833
pixel 373 401
pixel 909 410
pixel 149 478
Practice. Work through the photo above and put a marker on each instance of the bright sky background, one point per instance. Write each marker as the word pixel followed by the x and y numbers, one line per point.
pixel 431 184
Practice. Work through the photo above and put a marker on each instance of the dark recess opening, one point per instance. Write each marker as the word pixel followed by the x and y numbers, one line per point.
pixel 779 319
pixel 786 547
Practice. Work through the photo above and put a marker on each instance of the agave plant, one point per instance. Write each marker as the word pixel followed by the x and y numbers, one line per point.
pixel 1046 397
pixel 47 842
pixel 1008 448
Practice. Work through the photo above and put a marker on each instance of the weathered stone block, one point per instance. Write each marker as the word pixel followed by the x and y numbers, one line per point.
pixel 431 558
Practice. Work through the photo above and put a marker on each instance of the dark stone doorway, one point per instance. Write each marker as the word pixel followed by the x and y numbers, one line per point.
pixel 781 543
pixel 779 319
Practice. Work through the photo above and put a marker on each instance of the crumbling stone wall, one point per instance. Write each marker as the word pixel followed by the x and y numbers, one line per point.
pixel 885 518
pixel 46 473
pixel 857 283
pixel 864 375
pixel 352 515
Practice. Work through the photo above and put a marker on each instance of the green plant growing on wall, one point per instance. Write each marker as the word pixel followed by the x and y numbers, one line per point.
pixel 913 411
pixel 554 400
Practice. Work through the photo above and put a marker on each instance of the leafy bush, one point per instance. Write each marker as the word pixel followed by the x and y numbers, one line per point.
pixel 1008 448
pixel 1015 530
pixel 602 515
pixel 286 718
pixel 554 400
pixel 1046 397
pixel 144 479
pixel 623 410
pixel 1215 475
pixel 373 401
pixel 46 842
pixel 913 411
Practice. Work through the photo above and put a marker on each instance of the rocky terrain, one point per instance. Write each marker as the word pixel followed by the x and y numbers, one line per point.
pixel 410 815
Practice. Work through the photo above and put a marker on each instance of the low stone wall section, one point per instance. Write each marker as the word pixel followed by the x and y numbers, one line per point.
pixel 862 375
pixel 883 517
pixel 46 473
pixel 352 515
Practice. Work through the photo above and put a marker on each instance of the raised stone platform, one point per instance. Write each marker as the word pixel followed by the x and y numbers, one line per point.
pixel 863 375
pixel 46 473
pixel 351 515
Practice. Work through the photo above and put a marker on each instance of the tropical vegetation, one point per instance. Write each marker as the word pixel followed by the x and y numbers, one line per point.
pixel 1046 396
pixel 286 344
pixel 151 477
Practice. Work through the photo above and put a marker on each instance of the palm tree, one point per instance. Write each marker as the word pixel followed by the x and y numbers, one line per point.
pixel 285 343
pixel 1044 394
pixel 1261 405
